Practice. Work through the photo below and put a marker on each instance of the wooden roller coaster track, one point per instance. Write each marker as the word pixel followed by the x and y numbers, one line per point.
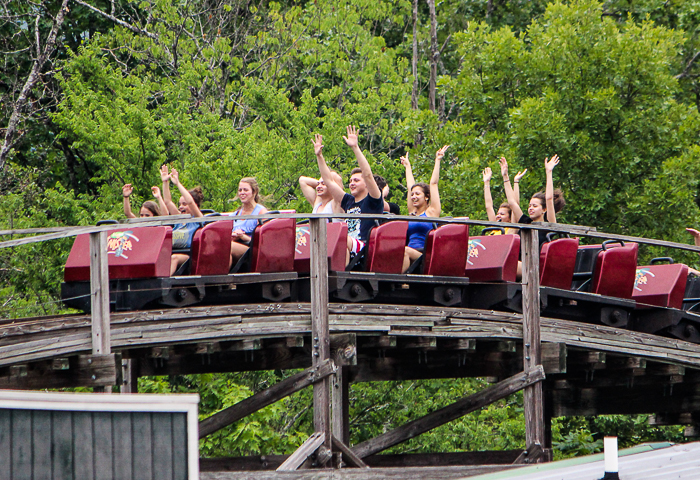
pixel 565 367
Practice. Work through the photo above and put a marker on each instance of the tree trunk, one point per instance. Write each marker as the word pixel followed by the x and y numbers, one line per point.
pixel 414 92
pixel 32 80
pixel 434 55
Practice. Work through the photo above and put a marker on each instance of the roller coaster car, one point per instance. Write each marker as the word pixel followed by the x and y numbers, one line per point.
pixel 436 278
pixel 609 296
pixel 492 267
pixel 659 292
pixel 139 267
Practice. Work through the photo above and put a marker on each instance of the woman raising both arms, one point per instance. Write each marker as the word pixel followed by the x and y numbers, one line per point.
pixel 543 207
pixel 504 213
pixel 423 201
pixel 149 208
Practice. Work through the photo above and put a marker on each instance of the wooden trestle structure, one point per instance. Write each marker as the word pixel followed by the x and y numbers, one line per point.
pixel 564 367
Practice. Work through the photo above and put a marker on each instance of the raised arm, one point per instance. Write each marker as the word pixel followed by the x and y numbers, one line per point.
pixel 488 201
pixel 368 177
pixel 162 207
pixel 127 190
pixel 336 191
pixel 695 234
pixel 549 165
pixel 435 208
pixel 167 198
pixel 516 189
pixel 410 181
pixel 194 209
pixel 308 188
pixel 510 194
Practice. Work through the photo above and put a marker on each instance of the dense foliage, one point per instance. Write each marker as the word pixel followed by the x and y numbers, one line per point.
pixel 225 89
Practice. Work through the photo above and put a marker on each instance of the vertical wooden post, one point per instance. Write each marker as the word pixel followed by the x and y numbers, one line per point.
pixel 533 398
pixel 341 409
pixel 99 288
pixel 130 375
pixel 320 334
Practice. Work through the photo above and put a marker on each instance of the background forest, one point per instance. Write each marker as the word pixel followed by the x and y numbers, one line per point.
pixel 95 94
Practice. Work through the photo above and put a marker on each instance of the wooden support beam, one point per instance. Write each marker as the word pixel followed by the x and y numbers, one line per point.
pixel 260 463
pixel 306 449
pixel 267 397
pixel 340 413
pixel 99 288
pixel 243 345
pixel 451 412
pixel 554 357
pixel 348 454
pixel 532 353
pixel 534 454
pixel 376 341
pixel 320 334
pixel 83 371
pixel 130 375
pixel 344 349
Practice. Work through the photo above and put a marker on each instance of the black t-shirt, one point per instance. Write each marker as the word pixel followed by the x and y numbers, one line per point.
pixel 541 234
pixel 394 208
pixel 357 228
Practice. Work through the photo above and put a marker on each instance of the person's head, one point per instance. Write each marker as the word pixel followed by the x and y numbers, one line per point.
pixel 149 209
pixel 322 191
pixel 537 210
pixel 198 198
pixel 420 195
pixel 249 191
pixel 383 186
pixel 358 187
pixel 504 213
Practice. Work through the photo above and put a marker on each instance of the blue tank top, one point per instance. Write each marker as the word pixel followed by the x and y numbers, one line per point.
pixel 183 233
pixel 248 226
pixel 417 233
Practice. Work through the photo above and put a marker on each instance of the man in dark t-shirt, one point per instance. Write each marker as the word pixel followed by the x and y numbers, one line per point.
pixel 364 197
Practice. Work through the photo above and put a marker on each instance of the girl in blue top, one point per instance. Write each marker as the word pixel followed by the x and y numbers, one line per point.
pixel 249 195
pixel 423 201
pixel 190 202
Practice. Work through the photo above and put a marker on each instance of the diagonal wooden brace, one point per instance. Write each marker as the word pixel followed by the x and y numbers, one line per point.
pixel 350 457
pixel 306 449
pixel 451 412
pixel 267 397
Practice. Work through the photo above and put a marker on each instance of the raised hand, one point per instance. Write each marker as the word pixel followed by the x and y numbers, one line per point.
pixel 520 175
pixel 441 153
pixel 318 144
pixel 486 174
pixel 695 234
pixel 504 167
pixel 156 192
pixel 405 161
pixel 174 176
pixel 351 139
pixel 164 175
pixel 127 190
pixel 550 163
